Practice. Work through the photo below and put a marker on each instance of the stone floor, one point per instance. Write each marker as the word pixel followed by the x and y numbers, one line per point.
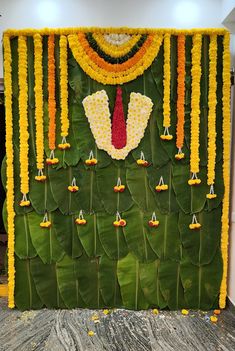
pixel 120 330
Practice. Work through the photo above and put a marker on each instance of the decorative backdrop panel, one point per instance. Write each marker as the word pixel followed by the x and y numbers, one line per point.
pixel 117 167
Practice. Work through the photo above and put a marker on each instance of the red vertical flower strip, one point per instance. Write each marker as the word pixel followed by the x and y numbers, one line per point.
pixel 180 91
pixel 118 123
pixel 51 92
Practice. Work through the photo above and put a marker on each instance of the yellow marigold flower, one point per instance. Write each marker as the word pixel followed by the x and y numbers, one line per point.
pixel 105 311
pixel 166 137
pixel 46 224
pixel 196 181
pixel 211 196
pixel 24 203
pixel 184 312
pixel 40 178
pixel 179 156
pixel 91 333
pixel 155 311
pixel 214 319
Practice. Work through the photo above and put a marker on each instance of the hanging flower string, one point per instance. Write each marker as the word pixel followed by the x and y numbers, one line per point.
pixel 119 222
pixel 212 101
pixel 194 224
pixel 9 170
pixel 166 86
pixel 153 222
pixel 46 223
pixel 23 120
pixel 226 169
pixel 141 161
pixel 64 92
pixel 80 220
pixel 73 188
pixel 194 180
pixel 38 89
pixel 195 107
pixel 52 160
pixel 119 188
pixel 91 161
pixel 161 186
pixel 180 96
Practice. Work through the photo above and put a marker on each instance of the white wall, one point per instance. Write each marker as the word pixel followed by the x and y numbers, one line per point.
pixel 132 13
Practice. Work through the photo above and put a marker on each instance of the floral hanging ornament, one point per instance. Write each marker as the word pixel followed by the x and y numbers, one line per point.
pixel 52 160
pixel 211 194
pixel 40 177
pixel 180 155
pixel 161 186
pixel 73 188
pixel 64 144
pixel 45 222
pixel 91 161
pixel 141 161
pixel 194 224
pixel 80 220
pixel 194 180
pixel 24 202
pixel 153 222
pixel 119 188
pixel 166 134
pixel 119 222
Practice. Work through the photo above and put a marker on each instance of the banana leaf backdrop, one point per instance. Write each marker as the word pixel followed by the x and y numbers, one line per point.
pixel 98 265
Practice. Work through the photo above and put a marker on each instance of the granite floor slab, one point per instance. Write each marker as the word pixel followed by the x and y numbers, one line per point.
pixel 120 330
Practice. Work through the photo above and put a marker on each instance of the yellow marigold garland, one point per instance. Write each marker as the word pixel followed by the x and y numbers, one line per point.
pixel 105 77
pixel 180 95
pixel 64 86
pixel 167 81
pixel 9 170
pixel 195 103
pixel 38 89
pixel 226 163
pixel 51 92
pixel 114 50
pixel 23 118
pixel 212 101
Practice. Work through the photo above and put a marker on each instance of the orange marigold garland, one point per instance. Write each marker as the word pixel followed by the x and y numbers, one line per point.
pixel 180 96
pixel 51 100
pixel 212 101
pixel 23 120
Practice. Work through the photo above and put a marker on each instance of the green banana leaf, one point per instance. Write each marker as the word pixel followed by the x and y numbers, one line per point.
pixel 44 240
pixel 45 279
pixel 201 245
pixel 149 280
pixel 26 296
pixel 106 180
pixel 66 233
pixel 67 280
pixel 165 239
pixel 128 271
pixel 171 285
pixel 111 238
pixel 109 285
pixel 138 184
pixel 136 235
pixel 165 200
pixel 191 199
pixel 88 273
pixel 219 96
pixel 24 248
pixel 202 283
pixel 88 236
pixel 59 180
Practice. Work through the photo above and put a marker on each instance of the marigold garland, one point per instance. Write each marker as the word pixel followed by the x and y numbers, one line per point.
pixel 23 115
pixel 114 50
pixel 38 89
pixel 64 86
pixel 9 170
pixel 195 103
pixel 51 92
pixel 103 76
pixel 180 93
pixel 226 170
pixel 167 80
pixel 212 101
